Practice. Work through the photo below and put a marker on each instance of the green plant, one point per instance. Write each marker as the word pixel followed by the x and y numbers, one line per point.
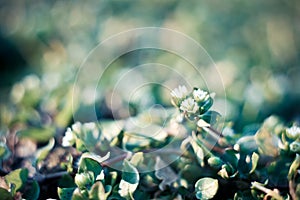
pixel 197 159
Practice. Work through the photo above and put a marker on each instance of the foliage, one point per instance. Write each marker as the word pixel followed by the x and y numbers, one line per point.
pixel 112 160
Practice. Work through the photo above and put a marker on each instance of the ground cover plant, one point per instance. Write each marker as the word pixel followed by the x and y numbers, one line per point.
pixel 140 130
pixel 40 158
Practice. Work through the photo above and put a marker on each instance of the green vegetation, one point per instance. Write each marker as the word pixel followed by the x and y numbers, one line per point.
pixel 206 163
pixel 69 132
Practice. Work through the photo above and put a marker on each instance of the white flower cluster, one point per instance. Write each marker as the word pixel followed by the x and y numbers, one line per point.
pixel 180 93
pixel 189 102
pixel 189 105
pixel 82 131
pixel 293 132
pixel 200 95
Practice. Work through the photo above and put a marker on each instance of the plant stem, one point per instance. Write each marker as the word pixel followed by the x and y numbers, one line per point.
pixel 292 189
pixel 269 192
pixel 42 178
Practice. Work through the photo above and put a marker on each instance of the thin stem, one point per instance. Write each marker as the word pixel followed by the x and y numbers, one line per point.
pixel 268 192
pixel 44 177
pixel 219 134
pixel 292 189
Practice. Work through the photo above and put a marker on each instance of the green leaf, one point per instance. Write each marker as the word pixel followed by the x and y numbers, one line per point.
pixel 211 117
pixel 198 151
pixel 33 192
pixel 246 144
pixel 80 194
pixel 65 193
pixel 84 179
pixel 215 162
pixel 18 178
pixel 37 134
pixel 91 162
pixel 137 158
pixel 206 188
pixel 66 112
pixel 130 180
pixel 232 157
pixel 5 195
pixel 4 151
pixel 267 142
pixel 293 168
pixel 254 161
pixel 42 153
pixel 98 192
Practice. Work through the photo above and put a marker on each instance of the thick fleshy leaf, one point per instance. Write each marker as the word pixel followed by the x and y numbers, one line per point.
pixel 80 194
pixel 97 192
pixel 4 151
pixel 91 162
pixel 137 158
pixel 293 168
pixel 130 180
pixel 42 153
pixel 18 178
pixel 33 192
pixel 206 188
pixel 268 143
pixel 65 193
pixel 254 161
pixel 4 194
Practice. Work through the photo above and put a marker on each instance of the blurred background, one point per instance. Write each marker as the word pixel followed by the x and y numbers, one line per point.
pixel 254 44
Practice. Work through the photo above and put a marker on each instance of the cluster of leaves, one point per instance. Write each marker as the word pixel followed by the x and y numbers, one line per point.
pixel 113 160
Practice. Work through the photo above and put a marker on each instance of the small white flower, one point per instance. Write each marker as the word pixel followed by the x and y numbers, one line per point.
pixel 200 95
pixel 293 132
pixel 77 127
pixel 69 138
pixel 180 92
pixel 189 105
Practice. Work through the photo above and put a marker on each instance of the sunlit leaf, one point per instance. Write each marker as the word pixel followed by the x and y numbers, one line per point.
pixel 293 168
pixel 80 194
pixel 91 162
pixel 254 161
pixel 98 192
pixel 42 153
pixel 4 151
pixel 137 158
pixel 18 178
pixel 268 143
pixel 130 180
pixel 206 188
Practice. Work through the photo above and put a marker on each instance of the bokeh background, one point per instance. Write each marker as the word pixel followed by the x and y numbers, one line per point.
pixel 255 45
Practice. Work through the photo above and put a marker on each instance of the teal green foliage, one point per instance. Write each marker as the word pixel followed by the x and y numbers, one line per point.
pixel 112 160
